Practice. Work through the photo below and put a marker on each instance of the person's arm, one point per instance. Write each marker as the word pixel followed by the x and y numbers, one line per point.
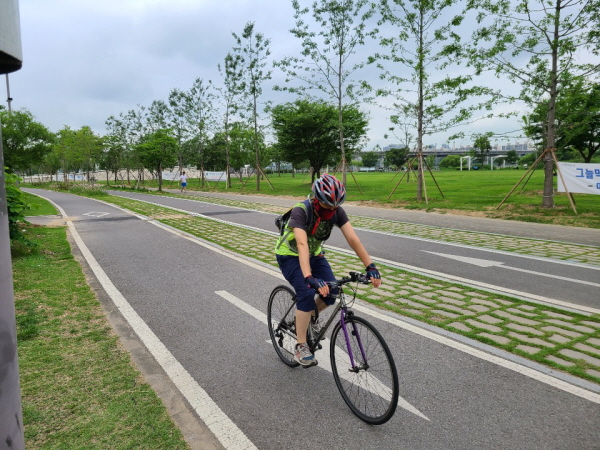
pixel 304 257
pixel 360 250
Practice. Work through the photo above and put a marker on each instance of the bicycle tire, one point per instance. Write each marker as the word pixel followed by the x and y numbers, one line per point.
pixel 281 318
pixel 371 392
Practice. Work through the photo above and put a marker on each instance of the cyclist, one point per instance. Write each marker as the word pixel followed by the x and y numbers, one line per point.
pixel 301 258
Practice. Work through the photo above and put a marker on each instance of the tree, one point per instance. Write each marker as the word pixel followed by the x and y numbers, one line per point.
pixel 253 49
pixel 512 157
pixel 25 140
pixel 369 159
pixel 324 65
pixel 232 89
pixel 66 152
pixel 396 157
pixel 308 131
pixel 424 43
pixel 176 118
pixel 450 161
pixel 482 146
pixel 577 120
pixel 201 119
pixel 88 148
pixel 540 44
pixel 158 150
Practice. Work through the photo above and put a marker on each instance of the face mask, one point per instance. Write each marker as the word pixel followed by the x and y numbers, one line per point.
pixel 323 213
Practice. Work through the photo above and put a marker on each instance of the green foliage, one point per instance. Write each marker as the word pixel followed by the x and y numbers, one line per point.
pixel 25 140
pixel 541 45
pixel 528 159
pixel 512 157
pixel 16 207
pixel 482 146
pixel 308 131
pixel 450 161
pixel 577 121
pixel 396 157
pixel 426 33
pixel 157 151
pixel 369 159
pixel 325 64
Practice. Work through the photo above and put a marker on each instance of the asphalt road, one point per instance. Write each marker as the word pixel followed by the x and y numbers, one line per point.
pixel 577 284
pixel 464 400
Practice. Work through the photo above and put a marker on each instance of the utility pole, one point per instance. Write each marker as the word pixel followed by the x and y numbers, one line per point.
pixel 8 97
pixel 11 413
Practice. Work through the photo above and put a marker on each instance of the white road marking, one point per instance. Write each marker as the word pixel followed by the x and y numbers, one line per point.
pixel 487 263
pixel 324 359
pixel 215 419
pixel 96 214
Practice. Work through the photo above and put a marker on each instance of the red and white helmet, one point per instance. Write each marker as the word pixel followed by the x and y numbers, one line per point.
pixel 329 190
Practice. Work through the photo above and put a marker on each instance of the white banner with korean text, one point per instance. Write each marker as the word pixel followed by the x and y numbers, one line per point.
pixel 579 177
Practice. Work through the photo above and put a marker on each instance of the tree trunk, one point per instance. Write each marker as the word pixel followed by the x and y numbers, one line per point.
pixel 420 51
pixel 341 121
pixel 548 196
pixel 159 176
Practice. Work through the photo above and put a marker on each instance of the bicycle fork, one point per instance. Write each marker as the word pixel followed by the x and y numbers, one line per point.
pixel 354 367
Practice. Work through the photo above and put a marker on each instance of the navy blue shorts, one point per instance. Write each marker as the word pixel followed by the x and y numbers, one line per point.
pixel 320 268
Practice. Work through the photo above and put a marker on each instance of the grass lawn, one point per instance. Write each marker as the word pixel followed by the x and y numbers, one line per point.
pixel 79 388
pixel 476 193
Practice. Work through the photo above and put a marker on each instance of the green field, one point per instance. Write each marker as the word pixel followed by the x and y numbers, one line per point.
pixel 476 193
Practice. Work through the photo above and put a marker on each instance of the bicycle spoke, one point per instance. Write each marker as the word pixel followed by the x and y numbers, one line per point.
pixel 281 313
pixel 372 391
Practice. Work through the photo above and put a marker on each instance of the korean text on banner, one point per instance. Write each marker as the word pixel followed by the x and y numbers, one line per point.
pixel 579 178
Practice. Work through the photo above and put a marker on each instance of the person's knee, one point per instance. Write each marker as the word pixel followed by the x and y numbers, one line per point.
pixel 306 301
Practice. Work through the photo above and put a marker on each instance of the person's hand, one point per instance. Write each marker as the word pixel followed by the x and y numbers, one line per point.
pixel 373 275
pixel 318 285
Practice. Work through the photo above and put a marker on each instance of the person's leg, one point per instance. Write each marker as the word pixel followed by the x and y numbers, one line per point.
pixel 321 269
pixel 305 295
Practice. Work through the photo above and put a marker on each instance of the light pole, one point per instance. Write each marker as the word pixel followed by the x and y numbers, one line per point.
pixel 8 97
pixel 11 413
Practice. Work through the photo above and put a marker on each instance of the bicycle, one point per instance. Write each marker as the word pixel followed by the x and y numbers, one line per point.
pixel 361 361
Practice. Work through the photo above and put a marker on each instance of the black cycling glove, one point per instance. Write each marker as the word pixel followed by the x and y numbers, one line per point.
pixel 372 272
pixel 315 283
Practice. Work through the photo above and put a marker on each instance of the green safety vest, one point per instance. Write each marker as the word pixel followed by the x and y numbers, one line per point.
pixel 286 244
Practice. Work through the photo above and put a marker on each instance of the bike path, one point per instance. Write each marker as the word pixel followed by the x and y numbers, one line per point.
pixel 470 402
pixel 559 339
pixel 559 233
pixel 534 277
pixel 539 240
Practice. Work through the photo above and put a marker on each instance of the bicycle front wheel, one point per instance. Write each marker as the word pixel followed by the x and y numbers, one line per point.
pixel 368 383
pixel 281 317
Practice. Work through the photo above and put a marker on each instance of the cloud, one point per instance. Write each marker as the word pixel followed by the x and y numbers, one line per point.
pixel 85 60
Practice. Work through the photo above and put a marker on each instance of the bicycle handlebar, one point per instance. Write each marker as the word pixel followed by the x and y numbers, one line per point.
pixel 354 277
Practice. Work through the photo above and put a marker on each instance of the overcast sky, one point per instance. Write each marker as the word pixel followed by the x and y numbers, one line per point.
pixel 85 60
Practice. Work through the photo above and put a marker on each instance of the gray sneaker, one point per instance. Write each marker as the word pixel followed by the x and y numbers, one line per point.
pixel 316 325
pixel 304 356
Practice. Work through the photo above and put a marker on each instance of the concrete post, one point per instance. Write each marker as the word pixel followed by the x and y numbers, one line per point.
pixel 11 415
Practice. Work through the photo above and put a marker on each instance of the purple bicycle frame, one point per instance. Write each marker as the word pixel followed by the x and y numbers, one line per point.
pixel 360 345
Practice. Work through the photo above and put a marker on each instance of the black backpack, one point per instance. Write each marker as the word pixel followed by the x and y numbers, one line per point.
pixel 282 220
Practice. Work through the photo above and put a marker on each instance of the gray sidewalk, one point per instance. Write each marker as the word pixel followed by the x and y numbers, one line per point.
pixel 574 235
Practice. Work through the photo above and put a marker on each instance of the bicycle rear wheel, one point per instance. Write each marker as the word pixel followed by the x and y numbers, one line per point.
pixel 370 388
pixel 281 317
